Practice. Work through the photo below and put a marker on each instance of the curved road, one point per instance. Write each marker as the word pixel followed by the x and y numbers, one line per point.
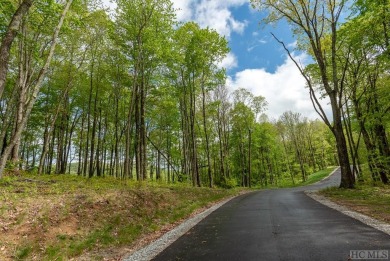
pixel 282 224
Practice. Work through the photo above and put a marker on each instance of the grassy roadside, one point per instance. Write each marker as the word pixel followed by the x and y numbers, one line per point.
pixel 61 217
pixel 367 199
pixel 310 179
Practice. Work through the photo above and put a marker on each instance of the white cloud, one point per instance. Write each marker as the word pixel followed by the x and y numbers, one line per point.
pixel 250 48
pixel 183 9
pixel 257 44
pixel 284 89
pixel 237 26
pixel 262 41
pixel 214 14
pixel 229 62
pixel 293 45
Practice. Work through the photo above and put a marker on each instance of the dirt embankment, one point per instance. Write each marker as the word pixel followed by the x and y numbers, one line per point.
pixel 59 217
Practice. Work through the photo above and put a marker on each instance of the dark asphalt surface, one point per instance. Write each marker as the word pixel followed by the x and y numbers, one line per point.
pixel 282 224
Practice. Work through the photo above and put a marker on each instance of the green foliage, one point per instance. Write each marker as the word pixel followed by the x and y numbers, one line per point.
pixel 227 183
pixel 7 8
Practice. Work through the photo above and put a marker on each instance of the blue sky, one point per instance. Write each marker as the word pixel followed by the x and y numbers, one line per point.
pixel 256 61
pixel 255 46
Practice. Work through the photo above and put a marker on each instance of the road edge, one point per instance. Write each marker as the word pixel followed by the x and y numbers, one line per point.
pixel 330 174
pixel 372 222
pixel 153 249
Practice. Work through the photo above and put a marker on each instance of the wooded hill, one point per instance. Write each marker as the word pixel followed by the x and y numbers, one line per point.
pixel 136 95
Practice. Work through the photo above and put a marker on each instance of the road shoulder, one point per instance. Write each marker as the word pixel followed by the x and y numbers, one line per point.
pixel 379 225
pixel 153 249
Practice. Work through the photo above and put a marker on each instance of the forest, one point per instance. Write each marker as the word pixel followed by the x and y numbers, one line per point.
pixel 135 94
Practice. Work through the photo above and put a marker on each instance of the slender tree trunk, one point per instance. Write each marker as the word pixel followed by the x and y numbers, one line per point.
pixel 116 141
pixel 51 153
pixel 194 153
pixel 221 148
pixel 143 158
pixel 128 160
pixel 92 162
pixel 209 173
pixel 8 39
pixel 81 166
pixel 99 144
pixel 158 165
pixel 168 148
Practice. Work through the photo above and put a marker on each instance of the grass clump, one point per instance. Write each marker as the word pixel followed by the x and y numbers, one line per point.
pixel 23 251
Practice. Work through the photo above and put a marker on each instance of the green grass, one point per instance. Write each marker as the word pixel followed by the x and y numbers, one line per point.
pixel 318 176
pixel 369 197
pixel 365 198
pixel 100 237
pixel 286 182
pixel 23 251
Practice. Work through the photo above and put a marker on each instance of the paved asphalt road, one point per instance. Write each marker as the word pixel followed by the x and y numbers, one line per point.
pixel 282 224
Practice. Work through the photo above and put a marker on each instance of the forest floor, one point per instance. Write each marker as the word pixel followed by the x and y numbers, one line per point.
pixel 64 217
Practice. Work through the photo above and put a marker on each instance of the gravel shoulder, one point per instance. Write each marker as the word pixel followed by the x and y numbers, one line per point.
pixel 379 225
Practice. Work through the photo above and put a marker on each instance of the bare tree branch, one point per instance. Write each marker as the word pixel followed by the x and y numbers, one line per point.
pixel 313 96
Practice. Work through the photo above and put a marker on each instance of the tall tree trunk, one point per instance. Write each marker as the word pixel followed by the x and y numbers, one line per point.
pixel 194 153
pixel 347 178
pixel 143 163
pixel 80 162
pixel 209 173
pixel 51 153
pixel 353 147
pixel 92 163
pixel 8 39
pixel 221 147
pixel 137 146
pixel 128 161
pixel 116 141
pixel 98 152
